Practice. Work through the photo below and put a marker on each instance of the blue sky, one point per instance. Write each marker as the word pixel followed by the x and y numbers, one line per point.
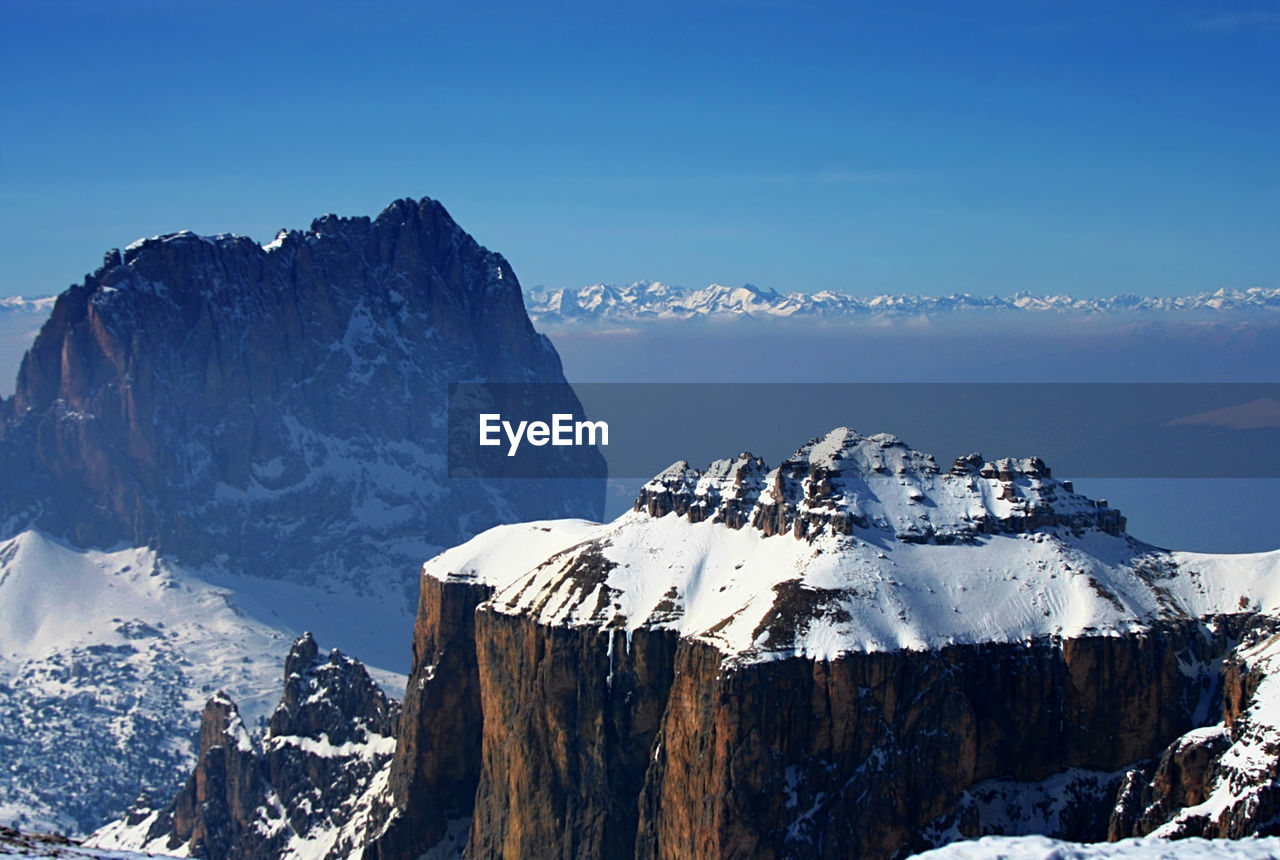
pixel 989 147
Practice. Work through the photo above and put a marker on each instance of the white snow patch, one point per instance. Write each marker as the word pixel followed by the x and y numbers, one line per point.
pixel 1044 848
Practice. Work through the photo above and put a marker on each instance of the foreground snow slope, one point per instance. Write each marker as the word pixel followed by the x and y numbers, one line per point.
pixel 16 844
pixel 1043 848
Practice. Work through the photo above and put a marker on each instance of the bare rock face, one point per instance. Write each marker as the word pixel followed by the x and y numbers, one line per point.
pixel 570 722
pixel 873 754
pixel 606 743
pixel 278 410
pixel 436 768
pixel 217 808
pixel 215 813
pixel 307 781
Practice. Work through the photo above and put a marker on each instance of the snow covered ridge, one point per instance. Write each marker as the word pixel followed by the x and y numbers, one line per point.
pixel 855 544
pixel 843 481
pixel 653 301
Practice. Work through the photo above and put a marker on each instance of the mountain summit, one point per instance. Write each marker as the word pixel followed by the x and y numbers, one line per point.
pixel 275 409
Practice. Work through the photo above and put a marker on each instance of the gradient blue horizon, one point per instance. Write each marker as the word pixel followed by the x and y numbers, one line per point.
pixel 988 147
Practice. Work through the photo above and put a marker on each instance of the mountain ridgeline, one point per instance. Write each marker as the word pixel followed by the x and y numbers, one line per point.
pixel 276 410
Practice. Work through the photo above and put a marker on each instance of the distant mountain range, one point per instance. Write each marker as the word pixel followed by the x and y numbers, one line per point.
pixel 20 305
pixel 654 301
pixel 646 301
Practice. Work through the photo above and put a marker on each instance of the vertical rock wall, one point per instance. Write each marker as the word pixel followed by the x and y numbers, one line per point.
pixel 598 743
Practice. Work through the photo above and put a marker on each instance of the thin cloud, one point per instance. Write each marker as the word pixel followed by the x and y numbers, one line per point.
pixel 1255 415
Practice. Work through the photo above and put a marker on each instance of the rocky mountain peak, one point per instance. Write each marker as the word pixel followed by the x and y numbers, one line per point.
pixel 302 657
pixel 334 697
pixel 772 662
pixel 845 451
pixel 275 408
pixel 843 481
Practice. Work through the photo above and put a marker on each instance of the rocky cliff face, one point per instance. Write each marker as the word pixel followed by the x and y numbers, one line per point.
pixel 277 410
pixel 1217 781
pixel 874 755
pixel 854 654
pixel 433 778
pixel 297 789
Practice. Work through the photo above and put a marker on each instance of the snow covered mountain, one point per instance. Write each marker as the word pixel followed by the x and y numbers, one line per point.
pixel 104 657
pixel 651 301
pixel 214 445
pixel 107 658
pixel 14 307
pixel 884 552
pixel 855 652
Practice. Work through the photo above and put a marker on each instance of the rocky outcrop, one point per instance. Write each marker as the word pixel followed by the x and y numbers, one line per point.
pixel 216 810
pixel 833 485
pixel 305 785
pixel 1218 781
pixel 616 744
pixel 276 410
